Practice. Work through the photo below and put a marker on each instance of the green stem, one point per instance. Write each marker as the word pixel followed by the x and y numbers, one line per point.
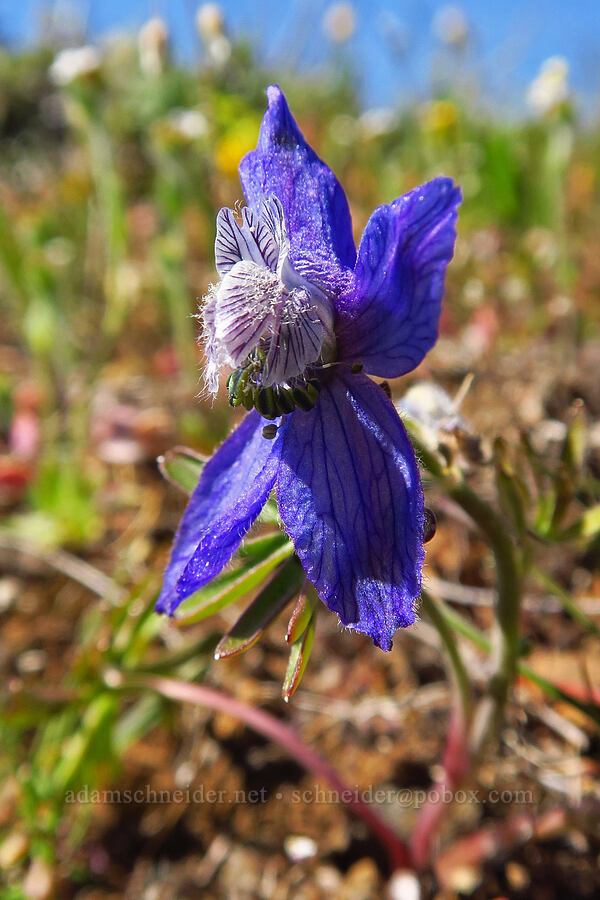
pixel 508 602
pixel 442 626
pixel 463 627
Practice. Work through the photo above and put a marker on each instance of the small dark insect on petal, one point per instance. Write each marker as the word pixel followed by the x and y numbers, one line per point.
pixel 385 387
pixel 430 525
pixel 269 432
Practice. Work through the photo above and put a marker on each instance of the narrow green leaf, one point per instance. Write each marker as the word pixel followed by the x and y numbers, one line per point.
pixel 258 548
pixel 574 447
pixel 586 526
pixel 436 616
pixel 136 721
pixel 182 467
pixel 569 604
pixel 301 614
pixel 230 587
pixel 97 720
pixel 299 655
pixel 463 627
pixel 263 609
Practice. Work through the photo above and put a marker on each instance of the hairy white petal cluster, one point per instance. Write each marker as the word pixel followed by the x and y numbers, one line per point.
pixel 261 302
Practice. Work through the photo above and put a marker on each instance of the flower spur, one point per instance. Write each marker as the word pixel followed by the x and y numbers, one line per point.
pixel 301 318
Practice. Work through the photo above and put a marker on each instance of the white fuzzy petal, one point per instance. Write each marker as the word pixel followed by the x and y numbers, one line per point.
pixel 245 300
pixel 298 332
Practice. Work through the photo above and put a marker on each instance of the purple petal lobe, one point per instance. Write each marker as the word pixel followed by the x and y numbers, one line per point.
pixel 232 490
pixel 350 497
pixel 389 319
pixel 314 204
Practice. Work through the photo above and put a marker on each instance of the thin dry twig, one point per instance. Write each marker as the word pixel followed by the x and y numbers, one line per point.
pixel 465 595
pixel 77 569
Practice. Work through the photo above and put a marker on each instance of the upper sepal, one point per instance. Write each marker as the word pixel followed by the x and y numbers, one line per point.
pixel 315 206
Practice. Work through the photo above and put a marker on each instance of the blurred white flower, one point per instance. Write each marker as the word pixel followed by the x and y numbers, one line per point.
pixel 376 122
pixel 218 50
pixel 432 411
pixel 153 46
pixel 450 26
pixel 514 289
pixel 74 63
pixel 210 21
pixel 473 292
pixel 189 123
pixel 550 87
pixel 339 22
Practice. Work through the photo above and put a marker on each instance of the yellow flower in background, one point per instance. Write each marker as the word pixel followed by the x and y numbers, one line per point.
pixel 439 116
pixel 239 139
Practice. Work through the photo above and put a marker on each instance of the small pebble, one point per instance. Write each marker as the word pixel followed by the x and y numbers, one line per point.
pixel 12 849
pixel 31 661
pixel 298 847
pixel 9 591
pixel 404 886
pixel 517 876
pixel 39 881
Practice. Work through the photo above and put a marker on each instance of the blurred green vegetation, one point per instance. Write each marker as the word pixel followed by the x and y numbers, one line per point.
pixel 109 186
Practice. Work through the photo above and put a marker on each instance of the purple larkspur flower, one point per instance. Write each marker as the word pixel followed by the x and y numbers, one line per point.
pixel 296 312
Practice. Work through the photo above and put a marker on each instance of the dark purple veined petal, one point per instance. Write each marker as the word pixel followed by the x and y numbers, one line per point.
pixel 232 490
pixel 272 214
pixel 350 497
pixel 315 206
pixel 389 319
pixel 252 241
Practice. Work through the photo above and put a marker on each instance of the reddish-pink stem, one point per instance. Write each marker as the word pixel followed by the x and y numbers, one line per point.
pixel 494 841
pixel 265 724
pixel 456 766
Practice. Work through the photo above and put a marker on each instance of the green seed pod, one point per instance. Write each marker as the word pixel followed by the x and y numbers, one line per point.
pixel 304 399
pixel 264 400
pixel 235 385
pixel 316 384
pixel 312 392
pixel 284 399
pixel 248 399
